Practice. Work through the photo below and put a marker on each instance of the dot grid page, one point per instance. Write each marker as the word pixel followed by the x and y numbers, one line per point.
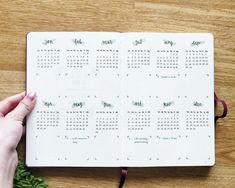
pixel 120 99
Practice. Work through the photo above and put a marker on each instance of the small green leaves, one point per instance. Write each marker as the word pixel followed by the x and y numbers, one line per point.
pixel 23 178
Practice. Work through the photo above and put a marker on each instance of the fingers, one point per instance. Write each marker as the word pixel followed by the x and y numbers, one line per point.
pixel 23 108
pixel 9 103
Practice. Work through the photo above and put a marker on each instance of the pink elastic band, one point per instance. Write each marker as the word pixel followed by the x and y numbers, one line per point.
pixel 123 174
pixel 225 108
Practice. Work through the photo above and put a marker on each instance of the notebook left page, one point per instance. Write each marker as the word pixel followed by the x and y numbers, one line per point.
pixel 75 75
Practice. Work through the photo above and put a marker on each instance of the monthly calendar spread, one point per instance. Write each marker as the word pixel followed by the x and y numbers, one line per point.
pixel 120 99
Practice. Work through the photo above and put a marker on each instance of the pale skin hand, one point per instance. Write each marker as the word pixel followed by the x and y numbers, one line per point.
pixel 13 110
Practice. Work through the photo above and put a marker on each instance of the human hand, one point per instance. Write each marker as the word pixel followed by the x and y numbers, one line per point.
pixel 13 110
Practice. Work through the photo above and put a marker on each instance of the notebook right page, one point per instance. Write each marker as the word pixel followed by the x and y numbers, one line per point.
pixel 169 99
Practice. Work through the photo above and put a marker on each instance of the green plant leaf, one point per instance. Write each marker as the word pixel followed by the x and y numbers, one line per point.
pixel 25 179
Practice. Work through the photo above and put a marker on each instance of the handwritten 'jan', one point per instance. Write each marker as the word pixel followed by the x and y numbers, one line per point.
pixel 50 41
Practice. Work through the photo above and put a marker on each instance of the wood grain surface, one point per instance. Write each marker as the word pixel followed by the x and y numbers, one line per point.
pixel 19 17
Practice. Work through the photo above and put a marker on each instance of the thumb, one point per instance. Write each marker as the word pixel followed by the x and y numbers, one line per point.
pixel 23 108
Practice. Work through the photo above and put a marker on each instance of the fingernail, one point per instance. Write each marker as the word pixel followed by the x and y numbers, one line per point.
pixel 31 95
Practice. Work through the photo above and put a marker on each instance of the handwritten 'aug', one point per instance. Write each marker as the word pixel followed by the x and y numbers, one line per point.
pixel 166 104
pixel 171 43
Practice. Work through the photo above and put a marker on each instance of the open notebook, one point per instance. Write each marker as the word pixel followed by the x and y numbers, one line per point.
pixel 120 99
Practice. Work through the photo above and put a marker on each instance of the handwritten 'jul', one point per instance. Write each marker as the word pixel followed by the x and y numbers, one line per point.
pixel 138 42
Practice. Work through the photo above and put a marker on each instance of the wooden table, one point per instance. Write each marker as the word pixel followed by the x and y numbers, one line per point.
pixel 215 16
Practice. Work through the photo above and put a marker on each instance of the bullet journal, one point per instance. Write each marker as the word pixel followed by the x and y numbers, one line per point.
pixel 109 99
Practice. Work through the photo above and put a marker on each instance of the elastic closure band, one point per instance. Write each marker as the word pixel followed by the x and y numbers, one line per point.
pixel 225 108
pixel 123 174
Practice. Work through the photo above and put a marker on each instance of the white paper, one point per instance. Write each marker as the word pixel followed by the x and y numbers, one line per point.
pixel 120 99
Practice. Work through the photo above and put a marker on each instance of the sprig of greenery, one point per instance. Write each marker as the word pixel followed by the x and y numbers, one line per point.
pixel 25 179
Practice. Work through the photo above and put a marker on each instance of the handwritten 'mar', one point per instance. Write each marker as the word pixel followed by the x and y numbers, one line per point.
pixel 106 42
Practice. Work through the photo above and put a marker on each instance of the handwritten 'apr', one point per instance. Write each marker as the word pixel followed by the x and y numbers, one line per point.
pixel 48 104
